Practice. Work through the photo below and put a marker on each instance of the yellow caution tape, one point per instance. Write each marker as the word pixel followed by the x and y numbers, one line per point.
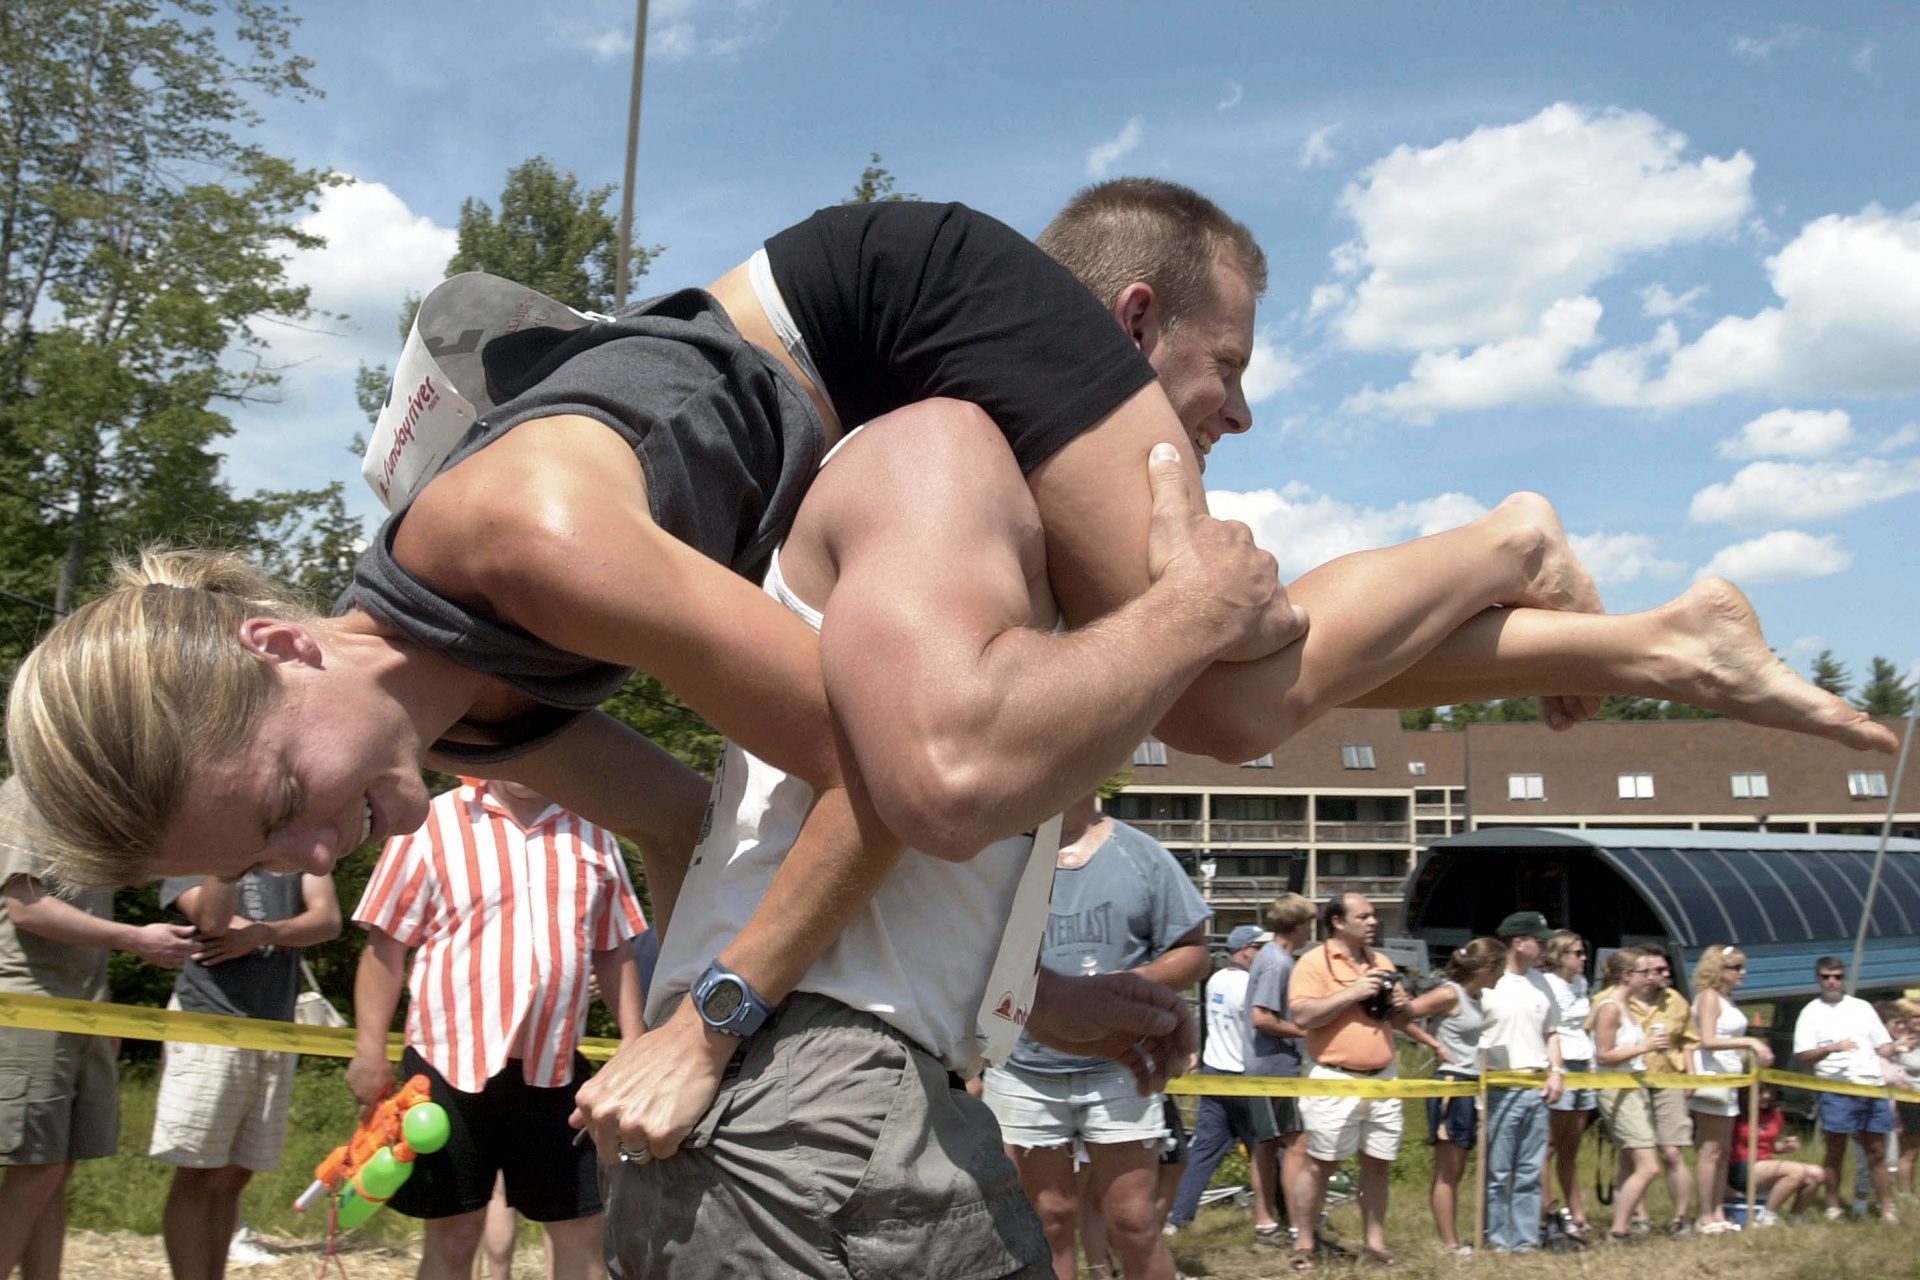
pixel 140 1022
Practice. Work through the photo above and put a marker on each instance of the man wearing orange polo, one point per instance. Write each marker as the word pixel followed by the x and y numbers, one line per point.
pixel 1346 997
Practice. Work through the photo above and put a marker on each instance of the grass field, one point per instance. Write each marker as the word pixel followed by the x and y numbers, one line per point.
pixel 115 1207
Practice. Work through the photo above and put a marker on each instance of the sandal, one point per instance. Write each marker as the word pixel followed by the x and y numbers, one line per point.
pixel 1376 1257
pixel 1301 1260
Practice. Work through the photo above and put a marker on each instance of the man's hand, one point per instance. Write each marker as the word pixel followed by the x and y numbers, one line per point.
pixel 370 1076
pixel 1142 1025
pixel 1225 583
pixel 655 1089
pixel 167 945
pixel 241 938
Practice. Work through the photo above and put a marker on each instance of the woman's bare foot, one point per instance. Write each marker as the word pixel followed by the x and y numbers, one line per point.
pixel 1555 577
pixel 1556 580
pixel 1726 666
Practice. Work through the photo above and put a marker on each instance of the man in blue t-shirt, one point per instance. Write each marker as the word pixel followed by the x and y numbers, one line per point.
pixel 1273 1049
pixel 1120 902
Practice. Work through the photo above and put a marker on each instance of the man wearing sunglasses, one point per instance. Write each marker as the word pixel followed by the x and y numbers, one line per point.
pixel 1839 1037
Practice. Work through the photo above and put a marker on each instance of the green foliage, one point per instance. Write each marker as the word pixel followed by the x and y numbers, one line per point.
pixel 876 185
pixel 1831 674
pixel 1419 719
pixel 549 235
pixel 1884 693
pixel 142 237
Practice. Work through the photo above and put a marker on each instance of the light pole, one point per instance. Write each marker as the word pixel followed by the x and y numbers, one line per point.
pixel 633 149
pixel 1886 831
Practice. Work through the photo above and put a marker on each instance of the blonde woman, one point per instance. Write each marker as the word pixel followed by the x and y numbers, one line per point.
pixel 1564 963
pixel 1457 1017
pixel 1618 1043
pixel 1723 1039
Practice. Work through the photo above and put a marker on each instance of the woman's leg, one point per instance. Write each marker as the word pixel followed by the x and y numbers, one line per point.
pixel 1645 1167
pixel 1704 648
pixel 1567 1128
pixel 1710 1165
pixel 1449 1163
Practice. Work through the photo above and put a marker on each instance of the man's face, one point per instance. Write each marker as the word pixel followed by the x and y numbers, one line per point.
pixel 1201 360
pixel 1358 926
pixel 1525 950
pixel 1662 973
pixel 1833 985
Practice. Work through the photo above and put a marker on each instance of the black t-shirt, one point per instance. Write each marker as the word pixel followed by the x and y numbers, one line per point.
pixel 898 302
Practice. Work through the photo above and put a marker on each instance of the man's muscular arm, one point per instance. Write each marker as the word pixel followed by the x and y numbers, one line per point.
pixel 969 716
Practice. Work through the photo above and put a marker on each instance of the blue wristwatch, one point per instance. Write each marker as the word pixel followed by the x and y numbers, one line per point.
pixel 728 1004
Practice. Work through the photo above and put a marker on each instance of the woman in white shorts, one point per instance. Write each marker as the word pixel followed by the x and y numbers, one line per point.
pixel 1628 1113
pixel 1563 963
pixel 1723 1041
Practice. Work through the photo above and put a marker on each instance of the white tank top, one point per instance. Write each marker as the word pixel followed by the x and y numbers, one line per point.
pixel 1730 1024
pixel 1627 1037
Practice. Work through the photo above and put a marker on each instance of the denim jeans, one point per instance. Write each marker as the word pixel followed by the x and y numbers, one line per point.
pixel 1516 1161
pixel 1217 1124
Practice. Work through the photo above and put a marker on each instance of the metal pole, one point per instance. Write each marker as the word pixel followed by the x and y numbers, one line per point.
pixel 1886 832
pixel 633 149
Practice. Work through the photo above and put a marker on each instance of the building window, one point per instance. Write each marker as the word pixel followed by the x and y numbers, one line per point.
pixel 1356 755
pixel 1636 786
pixel 1526 786
pixel 1339 864
pixel 1418 768
pixel 1152 751
pixel 1749 786
pixel 1867 784
pixel 1262 762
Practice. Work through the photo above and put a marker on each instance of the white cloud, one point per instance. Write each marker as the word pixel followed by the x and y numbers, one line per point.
pixel 1791 433
pixel 1785 555
pixel 1317 151
pixel 1102 158
pixel 1862 59
pixel 1475 239
pixel 1272 370
pixel 377 252
pixel 1764 493
pixel 1760 48
pixel 1658 302
pixel 1618 558
pixel 1848 322
pixel 1526 369
pixel 677 30
pixel 1235 92
pixel 1899 438
pixel 1303 528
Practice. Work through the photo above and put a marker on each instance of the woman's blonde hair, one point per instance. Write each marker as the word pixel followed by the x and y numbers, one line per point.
pixel 112 711
pixel 1619 963
pixel 1563 941
pixel 1706 974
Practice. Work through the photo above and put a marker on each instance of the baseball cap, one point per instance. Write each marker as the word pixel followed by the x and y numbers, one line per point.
pixel 1245 935
pixel 1525 924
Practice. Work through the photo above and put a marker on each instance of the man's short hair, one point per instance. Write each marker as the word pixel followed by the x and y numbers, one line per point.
pixel 1288 912
pixel 1824 963
pixel 1655 950
pixel 1159 233
pixel 1338 906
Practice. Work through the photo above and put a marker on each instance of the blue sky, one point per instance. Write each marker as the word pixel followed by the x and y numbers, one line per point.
pixel 1659 262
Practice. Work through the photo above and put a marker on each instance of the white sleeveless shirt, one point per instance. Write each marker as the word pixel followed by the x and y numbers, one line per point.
pixel 947 952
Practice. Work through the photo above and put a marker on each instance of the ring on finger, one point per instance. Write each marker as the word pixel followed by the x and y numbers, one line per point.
pixel 630 1156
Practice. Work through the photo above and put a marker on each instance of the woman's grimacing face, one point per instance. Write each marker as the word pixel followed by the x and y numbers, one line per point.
pixel 333 764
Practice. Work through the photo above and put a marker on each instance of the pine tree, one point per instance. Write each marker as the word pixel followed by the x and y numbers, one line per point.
pixel 1831 674
pixel 1884 693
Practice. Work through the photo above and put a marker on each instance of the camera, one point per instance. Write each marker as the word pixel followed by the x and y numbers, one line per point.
pixel 1379 1005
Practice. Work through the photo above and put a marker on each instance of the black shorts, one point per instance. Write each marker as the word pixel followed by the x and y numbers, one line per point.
pixel 512 1128
pixel 900 302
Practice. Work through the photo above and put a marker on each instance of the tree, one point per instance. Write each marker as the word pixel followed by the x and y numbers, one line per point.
pixel 876 185
pixel 140 240
pixel 1831 674
pixel 1884 693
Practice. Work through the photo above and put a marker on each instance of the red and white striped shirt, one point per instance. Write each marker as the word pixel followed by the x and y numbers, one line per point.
pixel 506 920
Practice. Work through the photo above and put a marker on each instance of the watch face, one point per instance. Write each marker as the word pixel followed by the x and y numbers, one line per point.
pixel 722 1002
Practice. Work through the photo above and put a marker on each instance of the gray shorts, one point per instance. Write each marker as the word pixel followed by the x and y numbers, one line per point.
pixel 835 1148
pixel 59 1097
